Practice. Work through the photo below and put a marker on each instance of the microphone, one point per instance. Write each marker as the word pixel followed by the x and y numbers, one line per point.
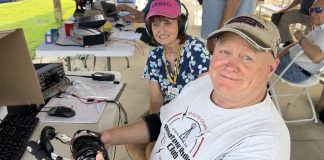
pixel 36 150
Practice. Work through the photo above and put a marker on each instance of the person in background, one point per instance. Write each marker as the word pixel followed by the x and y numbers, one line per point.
pixel 177 60
pixel 216 12
pixel 226 114
pixel 292 16
pixel 134 14
pixel 137 16
pixel 313 46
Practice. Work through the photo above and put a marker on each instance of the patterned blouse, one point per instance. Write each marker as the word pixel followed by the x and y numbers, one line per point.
pixel 194 61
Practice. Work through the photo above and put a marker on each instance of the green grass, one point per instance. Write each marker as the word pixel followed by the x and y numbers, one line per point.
pixel 36 17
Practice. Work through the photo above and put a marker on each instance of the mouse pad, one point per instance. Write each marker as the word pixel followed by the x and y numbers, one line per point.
pixel 84 113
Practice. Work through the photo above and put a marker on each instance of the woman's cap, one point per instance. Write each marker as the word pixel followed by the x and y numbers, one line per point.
pixel 260 33
pixel 166 8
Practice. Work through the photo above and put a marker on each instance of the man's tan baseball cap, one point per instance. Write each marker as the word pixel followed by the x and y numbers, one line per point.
pixel 260 33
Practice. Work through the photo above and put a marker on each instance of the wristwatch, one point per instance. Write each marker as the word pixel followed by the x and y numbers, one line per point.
pixel 301 40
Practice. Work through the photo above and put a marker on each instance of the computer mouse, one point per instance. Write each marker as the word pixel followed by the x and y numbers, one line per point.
pixel 61 111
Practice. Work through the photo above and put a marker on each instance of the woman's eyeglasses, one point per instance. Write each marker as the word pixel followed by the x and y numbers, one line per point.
pixel 316 10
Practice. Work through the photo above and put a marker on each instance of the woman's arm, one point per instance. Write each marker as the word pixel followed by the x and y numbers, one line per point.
pixel 156 97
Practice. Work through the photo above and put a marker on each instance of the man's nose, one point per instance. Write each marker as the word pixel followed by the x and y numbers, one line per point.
pixel 232 63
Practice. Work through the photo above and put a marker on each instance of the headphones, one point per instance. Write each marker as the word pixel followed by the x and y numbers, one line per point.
pixel 47 134
pixel 85 147
pixel 182 25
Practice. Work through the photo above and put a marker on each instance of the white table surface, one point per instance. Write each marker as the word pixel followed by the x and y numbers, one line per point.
pixel 117 47
pixel 108 119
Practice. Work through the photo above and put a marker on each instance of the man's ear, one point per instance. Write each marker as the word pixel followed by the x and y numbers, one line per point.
pixel 273 67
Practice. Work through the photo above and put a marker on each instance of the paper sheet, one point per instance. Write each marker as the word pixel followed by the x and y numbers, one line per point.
pixel 84 113
pixel 128 35
pixel 87 88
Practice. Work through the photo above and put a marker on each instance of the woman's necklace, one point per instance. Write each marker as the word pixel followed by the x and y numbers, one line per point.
pixel 175 71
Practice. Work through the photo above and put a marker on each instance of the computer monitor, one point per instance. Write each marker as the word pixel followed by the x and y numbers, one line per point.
pixel 18 80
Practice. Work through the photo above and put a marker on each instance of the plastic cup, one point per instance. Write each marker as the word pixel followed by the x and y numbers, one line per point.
pixel 68 25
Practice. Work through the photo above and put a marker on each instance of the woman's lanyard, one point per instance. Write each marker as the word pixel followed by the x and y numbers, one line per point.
pixel 175 71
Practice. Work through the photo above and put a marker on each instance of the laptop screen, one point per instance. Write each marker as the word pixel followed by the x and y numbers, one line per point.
pixel 19 84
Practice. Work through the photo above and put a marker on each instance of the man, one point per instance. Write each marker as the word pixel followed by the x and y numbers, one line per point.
pixel 216 12
pixel 293 16
pixel 137 16
pixel 312 45
pixel 226 114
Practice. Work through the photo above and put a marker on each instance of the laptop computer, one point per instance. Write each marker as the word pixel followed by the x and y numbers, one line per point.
pixel 19 84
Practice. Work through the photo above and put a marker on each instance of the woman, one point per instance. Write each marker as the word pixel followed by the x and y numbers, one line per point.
pixel 177 60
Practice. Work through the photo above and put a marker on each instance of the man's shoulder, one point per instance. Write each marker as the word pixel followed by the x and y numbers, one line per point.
pixel 199 83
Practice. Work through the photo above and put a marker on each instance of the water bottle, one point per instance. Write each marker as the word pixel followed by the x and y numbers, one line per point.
pixel 88 6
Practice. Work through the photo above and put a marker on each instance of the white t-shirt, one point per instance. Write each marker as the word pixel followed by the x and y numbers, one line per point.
pixel 193 127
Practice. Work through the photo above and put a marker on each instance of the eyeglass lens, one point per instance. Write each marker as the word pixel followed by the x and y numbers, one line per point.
pixel 316 10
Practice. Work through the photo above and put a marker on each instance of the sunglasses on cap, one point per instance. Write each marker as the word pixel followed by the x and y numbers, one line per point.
pixel 316 10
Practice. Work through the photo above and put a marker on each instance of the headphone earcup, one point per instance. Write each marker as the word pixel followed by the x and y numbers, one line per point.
pixel 47 134
pixel 148 29
pixel 86 146
pixel 182 24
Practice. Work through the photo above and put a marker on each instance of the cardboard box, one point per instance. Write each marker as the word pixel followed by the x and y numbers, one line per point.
pixel 18 80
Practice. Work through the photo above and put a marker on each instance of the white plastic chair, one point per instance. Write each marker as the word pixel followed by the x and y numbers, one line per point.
pixel 304 85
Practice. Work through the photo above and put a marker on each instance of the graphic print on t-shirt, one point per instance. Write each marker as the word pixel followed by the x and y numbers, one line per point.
pixel 182 136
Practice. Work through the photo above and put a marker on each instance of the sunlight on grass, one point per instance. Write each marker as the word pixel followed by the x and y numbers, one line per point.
pixel 36 17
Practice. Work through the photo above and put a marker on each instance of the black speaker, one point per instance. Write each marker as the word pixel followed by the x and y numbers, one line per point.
pixel 182 25
pixel 85 147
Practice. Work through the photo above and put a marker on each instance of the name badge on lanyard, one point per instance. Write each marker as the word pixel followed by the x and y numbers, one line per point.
pixel 173 92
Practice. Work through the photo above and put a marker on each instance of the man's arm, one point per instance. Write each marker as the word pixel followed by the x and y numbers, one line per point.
pixel 312 51
pixel 230 9
pixel 124 7
pixel 285 51
pixel 135 15
pixel 292 5
pixel 134 133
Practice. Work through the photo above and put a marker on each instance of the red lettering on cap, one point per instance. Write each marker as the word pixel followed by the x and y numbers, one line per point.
pixel 162 4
